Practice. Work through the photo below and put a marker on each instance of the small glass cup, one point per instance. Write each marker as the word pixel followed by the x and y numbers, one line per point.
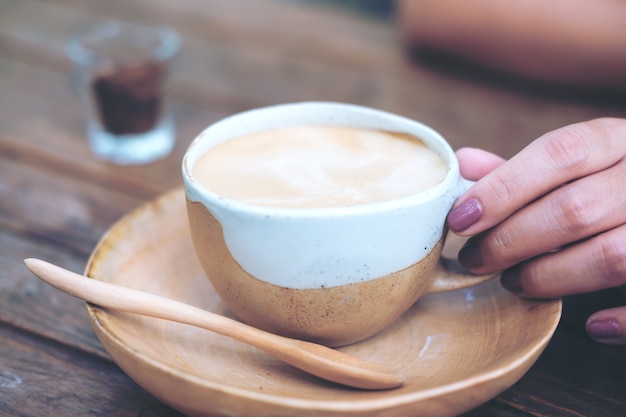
pixel 122 71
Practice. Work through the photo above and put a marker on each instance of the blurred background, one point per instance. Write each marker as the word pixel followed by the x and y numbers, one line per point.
pixel 485 73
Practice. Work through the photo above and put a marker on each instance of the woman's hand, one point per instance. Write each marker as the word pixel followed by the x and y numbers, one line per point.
pixel 553 217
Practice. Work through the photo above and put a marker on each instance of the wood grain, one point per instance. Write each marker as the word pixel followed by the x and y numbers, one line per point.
pixel 56 199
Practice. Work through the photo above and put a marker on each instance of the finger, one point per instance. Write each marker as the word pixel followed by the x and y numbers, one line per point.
pixel 476 163
pixel 594 264
pixel 569 214
pixel 554 159
pixel 608 326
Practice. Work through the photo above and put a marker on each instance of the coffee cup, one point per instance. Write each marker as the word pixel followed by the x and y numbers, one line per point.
pixel 330 273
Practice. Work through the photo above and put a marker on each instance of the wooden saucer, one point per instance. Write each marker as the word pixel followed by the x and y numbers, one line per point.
pixel 457 349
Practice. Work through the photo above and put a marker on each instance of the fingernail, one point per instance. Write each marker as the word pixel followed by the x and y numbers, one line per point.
pixel 511 280
pixel 470 256
pixel 465 215
pixel 604 329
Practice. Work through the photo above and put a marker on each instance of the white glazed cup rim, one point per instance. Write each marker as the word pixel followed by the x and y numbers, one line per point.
pixel 205 141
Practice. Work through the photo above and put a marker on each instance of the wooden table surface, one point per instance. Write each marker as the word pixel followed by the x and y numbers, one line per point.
pixel 57 200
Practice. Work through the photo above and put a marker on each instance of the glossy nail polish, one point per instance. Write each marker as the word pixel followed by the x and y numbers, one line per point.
pixel 604 329
pixel 465 215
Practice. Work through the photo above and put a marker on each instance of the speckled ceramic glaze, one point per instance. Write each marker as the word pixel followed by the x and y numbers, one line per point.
pixel 332 275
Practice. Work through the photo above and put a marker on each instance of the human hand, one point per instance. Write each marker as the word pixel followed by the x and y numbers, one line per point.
pixel 552 217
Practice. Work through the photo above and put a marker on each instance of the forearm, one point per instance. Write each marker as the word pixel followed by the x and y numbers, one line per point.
pixel 577 42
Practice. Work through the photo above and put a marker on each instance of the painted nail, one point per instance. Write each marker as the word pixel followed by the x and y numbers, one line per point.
pixel 511 280
pixel 470 256
pixel 465 215
pixel 604 329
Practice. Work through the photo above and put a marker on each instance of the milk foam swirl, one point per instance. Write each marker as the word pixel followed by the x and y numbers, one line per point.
pixel 319 166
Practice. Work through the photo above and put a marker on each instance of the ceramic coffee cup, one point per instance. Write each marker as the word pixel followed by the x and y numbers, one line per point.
pixel 333 275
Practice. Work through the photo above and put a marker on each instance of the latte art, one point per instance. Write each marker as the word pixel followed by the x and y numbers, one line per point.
pixel 319 166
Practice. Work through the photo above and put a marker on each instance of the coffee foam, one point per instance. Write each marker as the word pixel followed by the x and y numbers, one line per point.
pixel 319 166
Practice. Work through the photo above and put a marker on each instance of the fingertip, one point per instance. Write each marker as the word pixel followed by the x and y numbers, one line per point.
pixel 465 215
pixel 476 163
pixel 606 329
pixel 511 280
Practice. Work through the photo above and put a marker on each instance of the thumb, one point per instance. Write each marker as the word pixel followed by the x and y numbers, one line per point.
pixel 476 163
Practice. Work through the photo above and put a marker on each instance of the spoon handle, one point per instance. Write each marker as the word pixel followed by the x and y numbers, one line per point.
pixel 315 359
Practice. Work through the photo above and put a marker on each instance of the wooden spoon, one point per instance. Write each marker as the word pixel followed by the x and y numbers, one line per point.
pixel 315 359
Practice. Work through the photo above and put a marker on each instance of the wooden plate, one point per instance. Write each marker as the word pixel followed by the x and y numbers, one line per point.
pixel 457 349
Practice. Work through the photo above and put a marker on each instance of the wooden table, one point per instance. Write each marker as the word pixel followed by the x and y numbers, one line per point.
pixel 57 200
